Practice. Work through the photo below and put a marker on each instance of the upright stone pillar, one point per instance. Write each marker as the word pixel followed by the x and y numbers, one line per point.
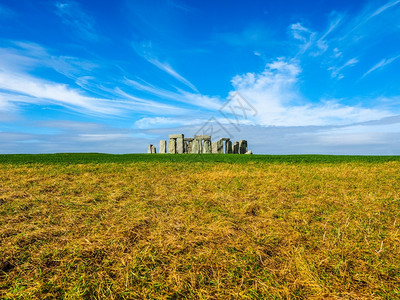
pixel 163 146
pixel 190 146
pixel 153 149
pixel 171 146
pixel 149 148
pixel 228 146
pixel 207 146
pixel 236 148
pixel 242 146
pixel 214 147
pixel 220 146
pixel 179 145
pixel 196 146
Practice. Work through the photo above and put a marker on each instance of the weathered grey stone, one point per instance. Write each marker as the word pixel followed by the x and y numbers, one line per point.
pixel 196 147
pixel 236 148
pixel 153 149
pixel 175 136
pixel 228 148
pixel 207 146
pixel 185 146
pixel 172 146
pixel 225 139
pixel 163 146
pixel 214 147
pixel 220 146
pixel 249 152
pixel 190 146
pixel 149 148
pixel 242 146
pixel 202 137
pixel 179 145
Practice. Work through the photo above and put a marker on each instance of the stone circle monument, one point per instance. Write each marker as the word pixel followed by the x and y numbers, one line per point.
pixel 178 144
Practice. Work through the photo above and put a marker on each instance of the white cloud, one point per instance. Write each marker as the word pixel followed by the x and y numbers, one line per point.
pixel 22 88
pixel 19 58
pixel 145 105
pixel 336 72
pixel 25 56
pixel 384 8
pixel 274 94
pixel 197 100
pixel 303 34
pixel 384 62
pixel 168 69
pixel 5 105
pixel 144 49
pixel 73 16
pixel 53 92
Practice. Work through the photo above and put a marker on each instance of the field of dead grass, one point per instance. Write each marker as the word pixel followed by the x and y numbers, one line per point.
pixel 161 230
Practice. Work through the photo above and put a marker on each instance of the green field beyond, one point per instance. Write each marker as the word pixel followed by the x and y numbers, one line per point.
pixel 82 158
pixel 140 226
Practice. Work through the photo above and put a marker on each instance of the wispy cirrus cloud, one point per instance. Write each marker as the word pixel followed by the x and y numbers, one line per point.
pixel 336 71
pixel 336 45
pixel 168 69
pixel 144 49
pixel 384 62
pixel 192 99
pixel 18 87
pixel 383 8
pixel 304 35
pixel 42 91
pixel 25 56
pixel 22 88
pixel 72 15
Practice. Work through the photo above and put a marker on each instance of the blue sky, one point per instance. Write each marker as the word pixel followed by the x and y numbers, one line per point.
pixel 288 76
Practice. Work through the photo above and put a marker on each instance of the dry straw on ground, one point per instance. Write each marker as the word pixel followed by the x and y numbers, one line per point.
pixel 221 231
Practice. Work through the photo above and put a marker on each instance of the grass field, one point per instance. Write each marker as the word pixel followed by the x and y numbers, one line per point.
pixel 199 226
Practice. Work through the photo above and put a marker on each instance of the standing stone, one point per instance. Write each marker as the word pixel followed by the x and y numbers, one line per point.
pixel 220 146
pixel 187 145
pixel 228 146
pixel 196 146
pixel 179 145
pixel 163 146
pixel 207 146
pixel 242 146
pixel 236 148
pixel 200 145
pixel 149 148
pixel 190 146
pixel 214 147
pixel 171 146
pixel 153 149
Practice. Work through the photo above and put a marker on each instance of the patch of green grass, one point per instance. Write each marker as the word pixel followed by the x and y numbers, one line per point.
pixel 83 158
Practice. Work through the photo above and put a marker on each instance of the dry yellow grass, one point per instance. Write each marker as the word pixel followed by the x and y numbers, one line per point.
pixel 192 230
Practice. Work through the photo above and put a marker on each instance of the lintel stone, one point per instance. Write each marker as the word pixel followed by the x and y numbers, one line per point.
pixel 202 137
pixel 175 136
